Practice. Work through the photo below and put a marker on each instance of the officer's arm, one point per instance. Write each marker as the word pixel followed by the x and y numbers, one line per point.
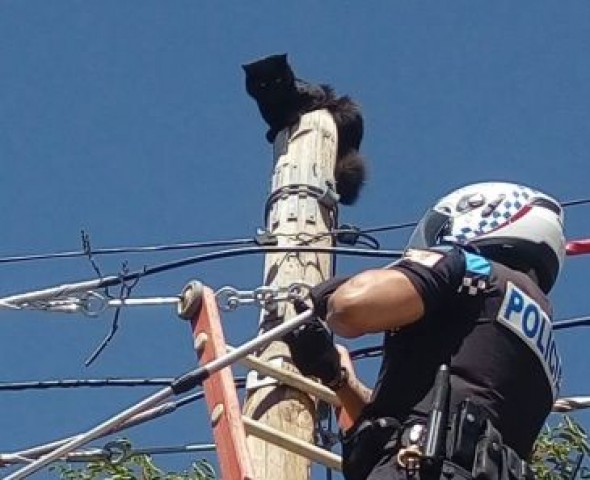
pixel 353 394
pixel 374 301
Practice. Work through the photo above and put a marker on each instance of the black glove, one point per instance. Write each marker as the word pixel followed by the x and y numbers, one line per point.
pixel 313 351
pixel 320 294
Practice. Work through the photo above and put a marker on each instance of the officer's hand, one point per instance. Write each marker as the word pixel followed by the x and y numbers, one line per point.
pixel 313 351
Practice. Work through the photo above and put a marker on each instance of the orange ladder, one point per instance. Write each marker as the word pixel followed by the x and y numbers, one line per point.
pixel 229 426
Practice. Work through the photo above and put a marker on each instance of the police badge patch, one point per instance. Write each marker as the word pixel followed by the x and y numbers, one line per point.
pixel 523 316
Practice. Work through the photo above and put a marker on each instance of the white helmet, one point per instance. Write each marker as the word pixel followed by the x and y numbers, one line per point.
pixel 504 221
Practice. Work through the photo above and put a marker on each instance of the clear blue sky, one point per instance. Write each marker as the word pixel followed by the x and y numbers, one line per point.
pixel 129 119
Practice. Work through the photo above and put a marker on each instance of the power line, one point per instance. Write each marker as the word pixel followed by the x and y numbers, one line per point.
pixel 571 322
pixel 115 452
pixel 90 382
pixel 257 240
pixel 574 203
pixel 260 240
pixel 390 227
pixel 377 350
pixel 120 250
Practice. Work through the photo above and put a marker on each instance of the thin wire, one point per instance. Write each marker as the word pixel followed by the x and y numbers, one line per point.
pixel 366 352
pixel 572 322
pixel 86 382
pixel 120 250
pixel 87 248
pixel 124 292
pixel 115 453
pixel 135 451
pixel 573 203
pixel 377 350
pixel 386 228
pixel 263 249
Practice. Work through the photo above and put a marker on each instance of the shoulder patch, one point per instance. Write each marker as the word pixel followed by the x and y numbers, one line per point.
pixel 477 264
pixel 427 258
pixel 477 273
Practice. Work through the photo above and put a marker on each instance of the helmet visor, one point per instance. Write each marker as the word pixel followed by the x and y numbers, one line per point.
pixel 430 230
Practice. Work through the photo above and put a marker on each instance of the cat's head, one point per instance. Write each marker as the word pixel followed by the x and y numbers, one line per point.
pixel 269 76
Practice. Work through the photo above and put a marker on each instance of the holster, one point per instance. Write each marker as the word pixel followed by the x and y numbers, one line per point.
pixel 366 443
pixel 496 461
pixel 477 446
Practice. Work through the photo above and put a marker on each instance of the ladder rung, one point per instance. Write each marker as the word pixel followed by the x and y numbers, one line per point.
pixel 291 378
pixel 293 444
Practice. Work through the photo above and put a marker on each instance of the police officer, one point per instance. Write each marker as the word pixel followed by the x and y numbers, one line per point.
pixel 470 368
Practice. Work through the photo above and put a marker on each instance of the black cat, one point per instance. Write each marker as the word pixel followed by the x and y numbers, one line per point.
pixel 282 99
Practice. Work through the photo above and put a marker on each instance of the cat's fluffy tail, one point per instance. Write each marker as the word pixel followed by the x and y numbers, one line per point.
pixel 350 174
pixel 350 171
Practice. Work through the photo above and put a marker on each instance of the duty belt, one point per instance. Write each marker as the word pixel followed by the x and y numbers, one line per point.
pixel 469 440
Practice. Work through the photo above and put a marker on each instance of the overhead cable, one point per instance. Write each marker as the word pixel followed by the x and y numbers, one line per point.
pixel 115 452
pixel 120 250
pixel 571 322
pixel 574 203
pixel 112 280
pixel 215 243
pixel 85 382
pixel 377 350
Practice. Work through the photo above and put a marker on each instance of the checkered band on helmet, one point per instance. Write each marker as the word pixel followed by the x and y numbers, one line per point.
pixel 516 200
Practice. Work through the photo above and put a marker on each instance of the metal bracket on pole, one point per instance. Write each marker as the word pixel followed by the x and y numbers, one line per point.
pixel 329 198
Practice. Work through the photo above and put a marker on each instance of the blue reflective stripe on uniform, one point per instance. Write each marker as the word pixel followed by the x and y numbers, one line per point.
pixel 523 316
pixel 477 264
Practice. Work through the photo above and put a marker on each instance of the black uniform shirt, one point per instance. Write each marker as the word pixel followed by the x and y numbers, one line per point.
pixel 492 325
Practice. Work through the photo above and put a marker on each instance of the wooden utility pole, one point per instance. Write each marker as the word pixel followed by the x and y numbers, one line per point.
pixel 297 211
